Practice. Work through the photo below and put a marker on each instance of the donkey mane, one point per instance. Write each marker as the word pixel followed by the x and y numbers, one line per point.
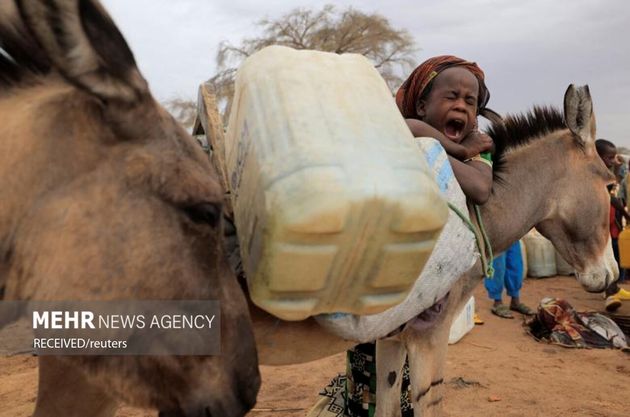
pixel 520 129
pixel 22 60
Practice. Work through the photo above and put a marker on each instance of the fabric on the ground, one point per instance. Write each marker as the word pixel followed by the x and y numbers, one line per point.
pixel 623 322
pixel 557 322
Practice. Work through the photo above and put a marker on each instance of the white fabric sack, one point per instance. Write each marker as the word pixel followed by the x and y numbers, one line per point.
pixel 454 254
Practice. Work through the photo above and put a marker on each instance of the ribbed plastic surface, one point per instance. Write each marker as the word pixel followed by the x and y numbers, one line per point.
pixel 541 255
pixel 335 208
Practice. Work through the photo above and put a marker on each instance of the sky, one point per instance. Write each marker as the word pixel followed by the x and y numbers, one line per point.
pixel 530 50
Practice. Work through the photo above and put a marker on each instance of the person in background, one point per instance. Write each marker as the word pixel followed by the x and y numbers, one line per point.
pixel 622 176
pixel 607 151
pixel 508 275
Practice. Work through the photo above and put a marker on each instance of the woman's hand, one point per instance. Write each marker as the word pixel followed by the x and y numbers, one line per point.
pixel 476 142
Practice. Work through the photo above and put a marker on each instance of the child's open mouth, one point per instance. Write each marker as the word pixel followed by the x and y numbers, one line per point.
pixel 454 128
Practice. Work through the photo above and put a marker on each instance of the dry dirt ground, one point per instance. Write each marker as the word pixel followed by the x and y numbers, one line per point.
pixel 512 374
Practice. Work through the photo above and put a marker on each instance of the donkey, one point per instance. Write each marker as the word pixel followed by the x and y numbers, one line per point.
pixel 548 176
pixel 106 197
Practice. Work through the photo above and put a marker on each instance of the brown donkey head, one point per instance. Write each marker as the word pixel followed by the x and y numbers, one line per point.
pixel 105 197
pixel 550 177
pixel 577 220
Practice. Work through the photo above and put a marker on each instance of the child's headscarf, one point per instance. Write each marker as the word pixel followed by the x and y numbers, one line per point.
pixel 413 87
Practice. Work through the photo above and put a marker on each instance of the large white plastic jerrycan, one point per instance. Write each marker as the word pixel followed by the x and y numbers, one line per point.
pixel 335 208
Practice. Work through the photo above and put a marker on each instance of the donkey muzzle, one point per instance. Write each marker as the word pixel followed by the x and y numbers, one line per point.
pixel 595 282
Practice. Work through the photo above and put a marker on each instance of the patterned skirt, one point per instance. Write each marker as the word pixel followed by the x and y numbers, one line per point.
pixel 354 394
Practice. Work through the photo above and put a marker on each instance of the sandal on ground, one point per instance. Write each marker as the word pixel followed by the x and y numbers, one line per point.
pixel 523 309
pixel 502 311
pixel 612 303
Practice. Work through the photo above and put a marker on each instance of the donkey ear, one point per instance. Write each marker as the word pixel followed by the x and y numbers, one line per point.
pixel 84 45
pixel 491 115
pixel 578 112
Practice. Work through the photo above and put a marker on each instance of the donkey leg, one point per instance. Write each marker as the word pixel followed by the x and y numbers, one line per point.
pixel 65 391
pixel 427 354
pixel 427 351
pixel 390 358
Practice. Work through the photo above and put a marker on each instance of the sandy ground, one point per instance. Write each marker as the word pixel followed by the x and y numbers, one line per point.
pixel 512 374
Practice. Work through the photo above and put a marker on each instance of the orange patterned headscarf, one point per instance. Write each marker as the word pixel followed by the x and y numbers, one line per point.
pixel 415 86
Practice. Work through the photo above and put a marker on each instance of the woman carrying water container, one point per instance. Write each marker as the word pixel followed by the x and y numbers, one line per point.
pixel 441 99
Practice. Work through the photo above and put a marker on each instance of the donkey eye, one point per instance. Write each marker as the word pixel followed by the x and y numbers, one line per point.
pixel 204 213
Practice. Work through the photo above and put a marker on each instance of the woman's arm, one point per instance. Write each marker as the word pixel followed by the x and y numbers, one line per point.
pixel 475 178
pixel 473 144
pixel 419 128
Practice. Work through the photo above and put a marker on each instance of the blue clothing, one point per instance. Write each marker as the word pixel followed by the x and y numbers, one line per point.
pixel 508 274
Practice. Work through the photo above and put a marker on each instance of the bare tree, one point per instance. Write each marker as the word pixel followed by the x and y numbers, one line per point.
pixel 184 111
pixel 390 50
